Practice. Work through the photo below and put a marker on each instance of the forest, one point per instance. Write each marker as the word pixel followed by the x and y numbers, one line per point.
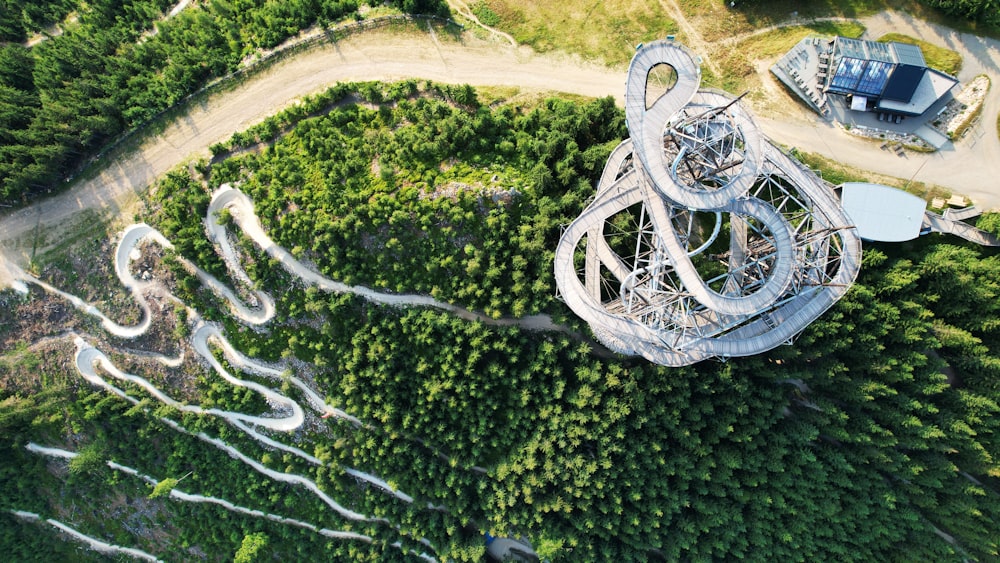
pixel 115 65
pixel 981 11
pixel 874 436
pixel 986 11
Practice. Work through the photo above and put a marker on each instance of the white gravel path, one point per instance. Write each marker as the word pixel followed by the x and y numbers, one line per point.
pixel 178 494
pixel 94 543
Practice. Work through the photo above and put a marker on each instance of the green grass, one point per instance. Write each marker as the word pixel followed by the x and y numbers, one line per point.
pixel 525 100
pixel 777 42
pixel 716 21
pixel 602 31
pixel 485 15
pixel 837 173
pixel 735 61
pixel 939 58
pixel 776 9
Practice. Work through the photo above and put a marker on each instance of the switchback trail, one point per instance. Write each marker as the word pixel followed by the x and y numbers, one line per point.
pixel 178 494
pixel 94 543
pixel 242 211
pixel 94 366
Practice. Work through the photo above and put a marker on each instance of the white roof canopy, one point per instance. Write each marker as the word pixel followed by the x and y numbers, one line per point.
pixel 882 213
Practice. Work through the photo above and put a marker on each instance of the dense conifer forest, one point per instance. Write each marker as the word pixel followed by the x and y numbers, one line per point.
pixel 111 66
pixel 985 11
pixel 981 11
pixel 874 436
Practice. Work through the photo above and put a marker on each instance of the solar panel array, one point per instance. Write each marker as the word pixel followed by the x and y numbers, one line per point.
pixel 865 67
pixel 908 54
pixel 848 73
pixel 875 76
pixel 879 51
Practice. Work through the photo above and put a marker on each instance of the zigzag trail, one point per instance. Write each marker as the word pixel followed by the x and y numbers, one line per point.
pixel 242 211
pixel 86 352
pixel 292 416
pixel 234 453
pixel 241 207
pixel 94 543
pixel 87 357
pixel 188 497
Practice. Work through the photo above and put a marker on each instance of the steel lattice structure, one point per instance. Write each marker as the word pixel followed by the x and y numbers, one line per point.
pixel 703 240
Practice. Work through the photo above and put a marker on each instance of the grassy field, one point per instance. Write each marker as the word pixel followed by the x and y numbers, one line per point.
pixel 737 61
pixel 601 31
pixel 939 58
pixel 716 20
pixel 527 100
pixel 837 173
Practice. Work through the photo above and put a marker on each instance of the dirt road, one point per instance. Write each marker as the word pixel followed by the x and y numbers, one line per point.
pixel 969 168
pixel 372 56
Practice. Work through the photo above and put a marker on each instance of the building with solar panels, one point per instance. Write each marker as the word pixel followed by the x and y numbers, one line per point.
pixel 890 78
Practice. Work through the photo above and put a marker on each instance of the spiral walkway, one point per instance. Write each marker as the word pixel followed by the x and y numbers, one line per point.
pixel 658 277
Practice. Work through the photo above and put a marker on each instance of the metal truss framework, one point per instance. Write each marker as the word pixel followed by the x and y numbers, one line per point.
pixel 703 240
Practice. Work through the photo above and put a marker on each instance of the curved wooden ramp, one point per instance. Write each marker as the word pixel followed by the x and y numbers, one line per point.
pixel 650 283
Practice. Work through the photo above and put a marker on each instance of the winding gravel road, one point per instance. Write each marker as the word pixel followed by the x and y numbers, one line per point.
pixel 970 167
pixel 94 543
pixel 374 55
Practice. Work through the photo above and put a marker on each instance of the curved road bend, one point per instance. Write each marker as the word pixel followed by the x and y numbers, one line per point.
pixel 967 168
pixel 376 55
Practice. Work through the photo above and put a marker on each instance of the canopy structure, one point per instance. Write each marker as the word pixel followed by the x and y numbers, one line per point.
pixel 703 240
pixel 882 213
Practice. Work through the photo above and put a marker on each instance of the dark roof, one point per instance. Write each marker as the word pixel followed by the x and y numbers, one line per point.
pixel 903 83
pixel 879 70
pixel 933 86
